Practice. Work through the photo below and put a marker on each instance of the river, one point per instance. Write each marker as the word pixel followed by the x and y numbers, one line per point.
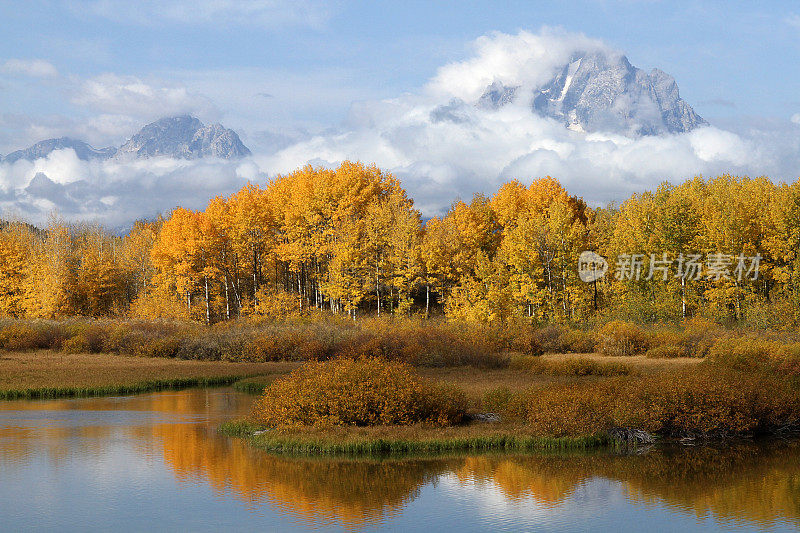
pixel 156 462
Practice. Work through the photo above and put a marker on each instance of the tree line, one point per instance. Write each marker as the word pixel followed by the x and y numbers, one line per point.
pixel 348 241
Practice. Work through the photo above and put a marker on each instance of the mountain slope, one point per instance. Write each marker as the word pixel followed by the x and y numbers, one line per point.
pixel 44 148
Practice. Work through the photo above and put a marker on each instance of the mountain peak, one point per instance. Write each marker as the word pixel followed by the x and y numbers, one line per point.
pixel 602 91
pixel 183 137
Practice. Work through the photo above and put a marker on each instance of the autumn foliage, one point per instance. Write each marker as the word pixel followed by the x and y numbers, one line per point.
pixel 348 241
pixel 357 392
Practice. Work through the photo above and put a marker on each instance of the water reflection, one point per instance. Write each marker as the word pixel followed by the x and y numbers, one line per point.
pixel 175 432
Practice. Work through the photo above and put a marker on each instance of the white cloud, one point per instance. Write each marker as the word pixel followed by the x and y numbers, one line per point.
pixel 796 118
pixel 132 96
pixel 269 14
pixel 35 68
pixel 526 59
pixel 115 193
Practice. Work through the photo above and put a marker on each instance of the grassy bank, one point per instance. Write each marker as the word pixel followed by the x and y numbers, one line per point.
pixel 405 440
pixel 47 374
pixel 140 387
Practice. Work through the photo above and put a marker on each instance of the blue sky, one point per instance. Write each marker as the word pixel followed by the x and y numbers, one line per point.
pixel 731 59
pixel 281 72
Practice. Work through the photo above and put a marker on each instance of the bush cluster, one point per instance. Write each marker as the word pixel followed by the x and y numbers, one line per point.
pixel 417 342
pixel 573 366
pixel 434 343
pixel 357 392
pixel 707 401
pixel 754 353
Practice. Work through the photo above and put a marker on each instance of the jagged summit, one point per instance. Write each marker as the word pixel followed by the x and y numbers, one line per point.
pixel 603 92
pixel 183 137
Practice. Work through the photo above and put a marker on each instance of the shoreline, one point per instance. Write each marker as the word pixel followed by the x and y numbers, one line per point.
pixel 143 387
pixel 398 440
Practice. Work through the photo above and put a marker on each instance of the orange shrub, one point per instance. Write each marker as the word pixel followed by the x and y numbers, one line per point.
pixel 666 351
pixel 622 338
pixel 357 392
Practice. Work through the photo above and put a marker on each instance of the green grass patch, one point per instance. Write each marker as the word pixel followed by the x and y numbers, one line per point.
pixel 401 441
pixel 49 393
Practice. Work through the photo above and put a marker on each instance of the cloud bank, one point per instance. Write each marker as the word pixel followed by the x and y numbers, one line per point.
pixel 442 145
pixel 436 140
pixel 114 193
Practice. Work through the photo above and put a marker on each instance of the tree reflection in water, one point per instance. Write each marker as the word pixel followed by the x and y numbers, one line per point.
pixel 758 484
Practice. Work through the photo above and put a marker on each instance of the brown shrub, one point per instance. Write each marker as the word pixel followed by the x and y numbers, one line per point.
pixel 707 401
pixel 159 347
pixel 362 392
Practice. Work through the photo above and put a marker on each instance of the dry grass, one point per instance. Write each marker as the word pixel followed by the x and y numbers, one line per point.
pixel 638 363
pixel 476 382
pixel 47 369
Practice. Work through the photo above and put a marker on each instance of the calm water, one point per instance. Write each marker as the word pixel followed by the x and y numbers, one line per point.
pixel 155 462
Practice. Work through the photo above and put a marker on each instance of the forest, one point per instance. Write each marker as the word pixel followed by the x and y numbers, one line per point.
pixel 348 241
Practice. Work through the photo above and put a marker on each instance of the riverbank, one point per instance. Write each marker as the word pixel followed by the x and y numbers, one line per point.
pixel 404 440
pixel 539 403
pixel 49 374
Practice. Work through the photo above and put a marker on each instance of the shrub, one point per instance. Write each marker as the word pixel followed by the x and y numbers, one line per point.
pixel 555 338
pixel 621 339
pixel 698 336
pixel 564 410
pixel 21 337
pixel 743 353
pixel 706 401
pixel 76 344
pixel 204 348
pixel 709 402
pixel 573 366
pixel 666 351
pixel 357 392
pixel 497 399
pixel 159 347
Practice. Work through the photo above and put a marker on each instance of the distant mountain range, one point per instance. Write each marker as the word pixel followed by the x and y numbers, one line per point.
pixel 603 92
pixel 183 137
pixel 592 92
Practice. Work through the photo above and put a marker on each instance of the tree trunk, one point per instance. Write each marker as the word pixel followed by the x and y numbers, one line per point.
pixel 227 302
pixel 208 304
pixel 427 300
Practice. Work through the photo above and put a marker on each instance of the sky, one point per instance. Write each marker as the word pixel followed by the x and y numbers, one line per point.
pixel 310 81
